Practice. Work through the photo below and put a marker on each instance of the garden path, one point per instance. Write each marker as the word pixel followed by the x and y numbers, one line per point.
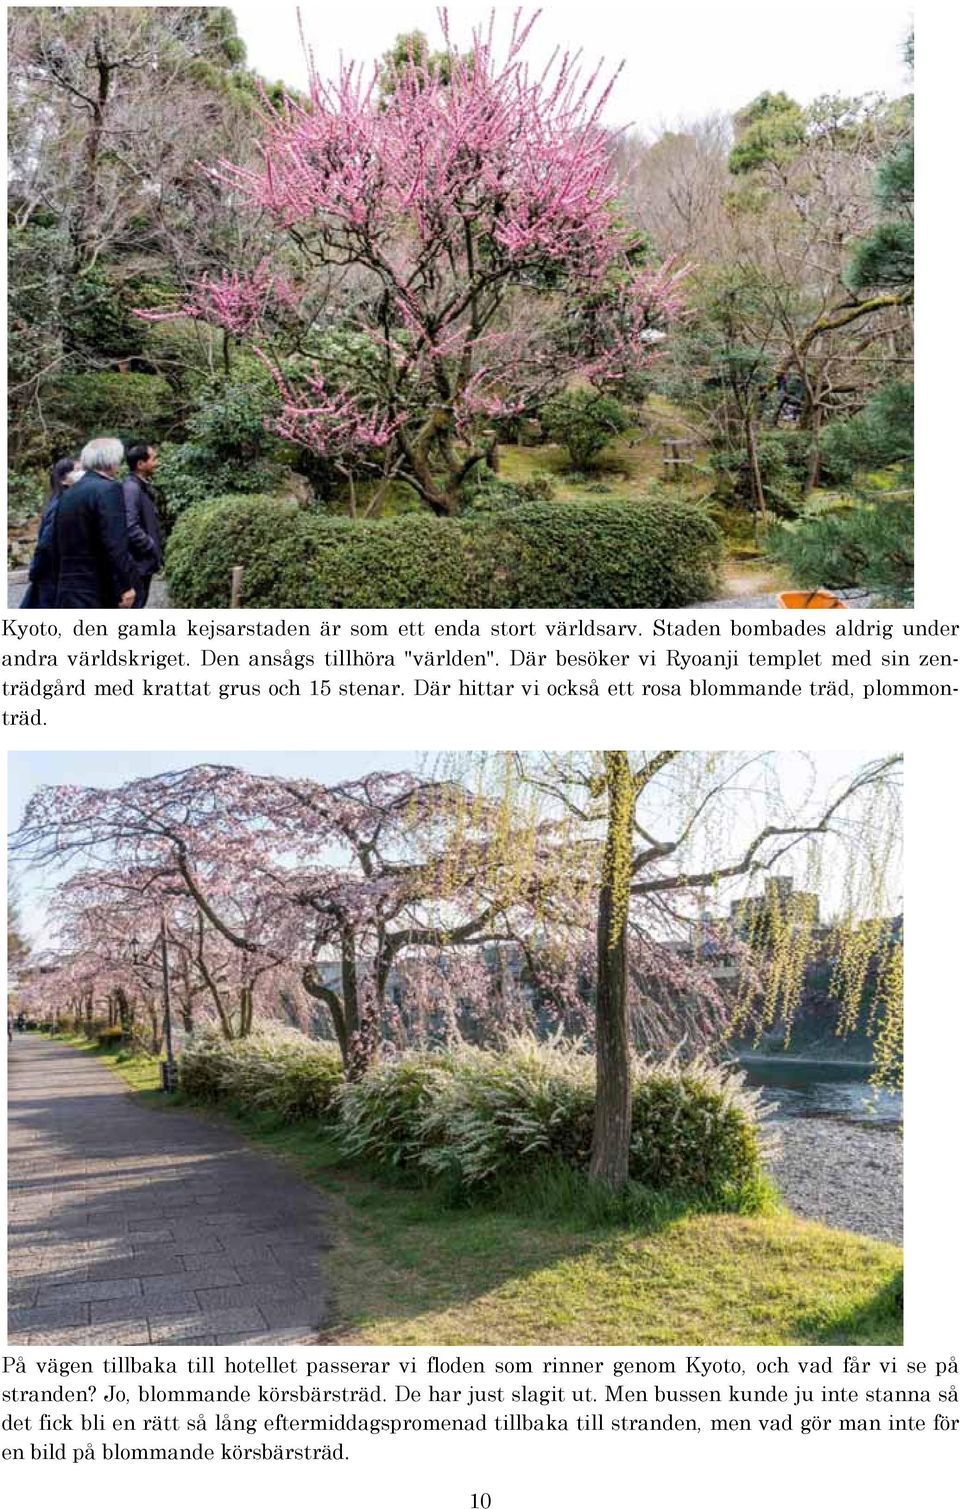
pixel 17 586
pixel 130 1224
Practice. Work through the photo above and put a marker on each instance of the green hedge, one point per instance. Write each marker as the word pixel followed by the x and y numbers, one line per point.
pixel 611 553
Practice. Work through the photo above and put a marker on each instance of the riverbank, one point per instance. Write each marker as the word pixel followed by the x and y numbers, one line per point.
pixel 845 1174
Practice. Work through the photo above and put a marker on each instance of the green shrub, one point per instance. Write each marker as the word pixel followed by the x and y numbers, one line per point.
pixel 880 435
pixel 783 458
pixel 131 405
pixel 230 418
pixel 657 552
pixel 96 312
pixel 867 545
pixel 497 1112
pixel 492 493
pixel 203 1067
pixel 585 422
pixel 188 476
pixel 228 447
pixel 695 1130
pixel 279 1071
pixel 26 495
pixel 654 552
pixel 110 1037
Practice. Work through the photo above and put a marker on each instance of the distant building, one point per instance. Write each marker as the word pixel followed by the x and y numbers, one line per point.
pixel 779 905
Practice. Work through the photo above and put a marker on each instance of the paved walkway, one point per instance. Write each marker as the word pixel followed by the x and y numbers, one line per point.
pixel 17 586
pixel 132 1224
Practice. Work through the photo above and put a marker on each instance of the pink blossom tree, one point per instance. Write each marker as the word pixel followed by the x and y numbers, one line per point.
pixel 114 916
pixel 454 254
pixel 339 883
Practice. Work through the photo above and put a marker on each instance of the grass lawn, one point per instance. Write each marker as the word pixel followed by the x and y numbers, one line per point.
pixel 408 1269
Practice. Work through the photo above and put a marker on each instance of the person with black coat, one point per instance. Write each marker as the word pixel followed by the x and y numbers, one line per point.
pixel 96 569
pixel 144 532
pixel 45 566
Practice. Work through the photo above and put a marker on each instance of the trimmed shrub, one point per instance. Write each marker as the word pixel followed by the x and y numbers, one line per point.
pixel 656 552
pixel 281 1072
pixel 609 553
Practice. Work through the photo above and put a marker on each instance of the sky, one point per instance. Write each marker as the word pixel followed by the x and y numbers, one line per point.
pixel 802 776
pixel 682 61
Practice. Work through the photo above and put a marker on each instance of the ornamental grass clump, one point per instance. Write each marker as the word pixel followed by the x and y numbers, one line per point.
pixel 498 1112
pixel 278 1071
pixel 203 1067
pixel 697 1129
pixel 386 1117
pixel 478 1118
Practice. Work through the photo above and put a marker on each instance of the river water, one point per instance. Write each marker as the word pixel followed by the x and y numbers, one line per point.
pixel 808 1088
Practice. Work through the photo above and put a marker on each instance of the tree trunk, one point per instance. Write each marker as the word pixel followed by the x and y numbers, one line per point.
pixel 362 1015
pixel 246 1011
pixel 315 987
pixel 125 1014
pixel 186 1014
pixel 816 455
pixel 610 1154
pixel 756 479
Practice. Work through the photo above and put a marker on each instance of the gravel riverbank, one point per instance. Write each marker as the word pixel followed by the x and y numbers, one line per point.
pixel 843 1173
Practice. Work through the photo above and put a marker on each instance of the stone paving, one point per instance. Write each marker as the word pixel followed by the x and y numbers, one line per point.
pixel 17 586
pixel 132 1224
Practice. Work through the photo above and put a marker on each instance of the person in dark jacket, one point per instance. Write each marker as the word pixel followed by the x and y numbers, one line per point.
pixel 144 532
pixel 44 567
pixel 96 569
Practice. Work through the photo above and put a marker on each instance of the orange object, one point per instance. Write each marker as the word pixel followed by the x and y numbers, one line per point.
pixel 819 598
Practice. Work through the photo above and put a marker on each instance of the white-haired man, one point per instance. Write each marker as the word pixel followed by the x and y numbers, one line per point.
pixel 96 569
